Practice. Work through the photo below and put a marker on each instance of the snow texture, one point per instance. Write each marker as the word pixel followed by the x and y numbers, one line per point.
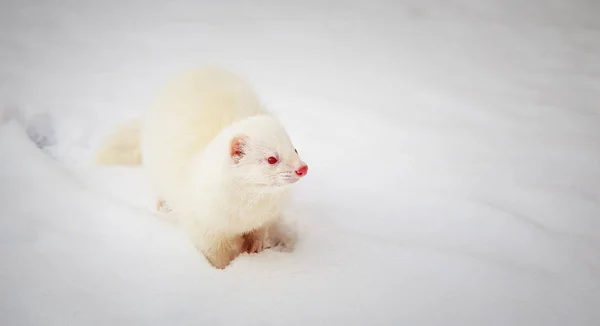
pixel 454 149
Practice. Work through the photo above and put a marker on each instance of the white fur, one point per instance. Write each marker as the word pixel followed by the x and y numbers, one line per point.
pixel 228 203
pixel 123 146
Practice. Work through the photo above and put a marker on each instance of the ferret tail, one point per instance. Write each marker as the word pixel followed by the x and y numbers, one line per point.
pixel 122 147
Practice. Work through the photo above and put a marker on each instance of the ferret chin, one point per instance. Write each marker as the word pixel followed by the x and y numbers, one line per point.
pixel 220 163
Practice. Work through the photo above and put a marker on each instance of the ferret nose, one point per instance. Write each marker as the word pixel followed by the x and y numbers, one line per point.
pixel 302 170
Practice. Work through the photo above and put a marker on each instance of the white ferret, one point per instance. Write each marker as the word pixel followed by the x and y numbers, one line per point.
pixel 217 159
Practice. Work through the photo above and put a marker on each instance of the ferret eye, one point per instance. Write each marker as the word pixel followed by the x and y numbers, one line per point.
pixel 272 160
pixel 295 150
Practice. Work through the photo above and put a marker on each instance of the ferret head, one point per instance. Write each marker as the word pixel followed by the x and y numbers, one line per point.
pixel 262 155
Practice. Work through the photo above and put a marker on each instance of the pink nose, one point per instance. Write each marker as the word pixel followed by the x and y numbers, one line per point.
pixel 302 171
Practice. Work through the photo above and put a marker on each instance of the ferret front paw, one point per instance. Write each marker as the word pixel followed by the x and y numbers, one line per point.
pixel 255 242
pixel 162 206
pixel 283 245
pixel 221 252
pixel 282 238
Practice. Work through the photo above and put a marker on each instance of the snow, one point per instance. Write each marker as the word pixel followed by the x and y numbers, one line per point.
pixel 454 152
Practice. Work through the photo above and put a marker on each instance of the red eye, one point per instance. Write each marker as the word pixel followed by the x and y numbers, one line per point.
pixel 272 160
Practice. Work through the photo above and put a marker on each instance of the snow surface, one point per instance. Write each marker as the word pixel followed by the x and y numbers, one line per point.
pixel 454 149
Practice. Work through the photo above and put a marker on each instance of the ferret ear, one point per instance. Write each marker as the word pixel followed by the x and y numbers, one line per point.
pixel 238 147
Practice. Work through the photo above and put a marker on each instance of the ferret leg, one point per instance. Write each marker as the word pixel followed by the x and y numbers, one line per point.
pixel 221 251
pixel 161 205
pixel 255 241
pixel 281 237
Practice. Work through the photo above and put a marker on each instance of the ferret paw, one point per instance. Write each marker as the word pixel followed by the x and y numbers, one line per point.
pixel 283 245
pixel 218 262
pixel 221 252
pixel 282 238
pixel 162 206
pixel 255 242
